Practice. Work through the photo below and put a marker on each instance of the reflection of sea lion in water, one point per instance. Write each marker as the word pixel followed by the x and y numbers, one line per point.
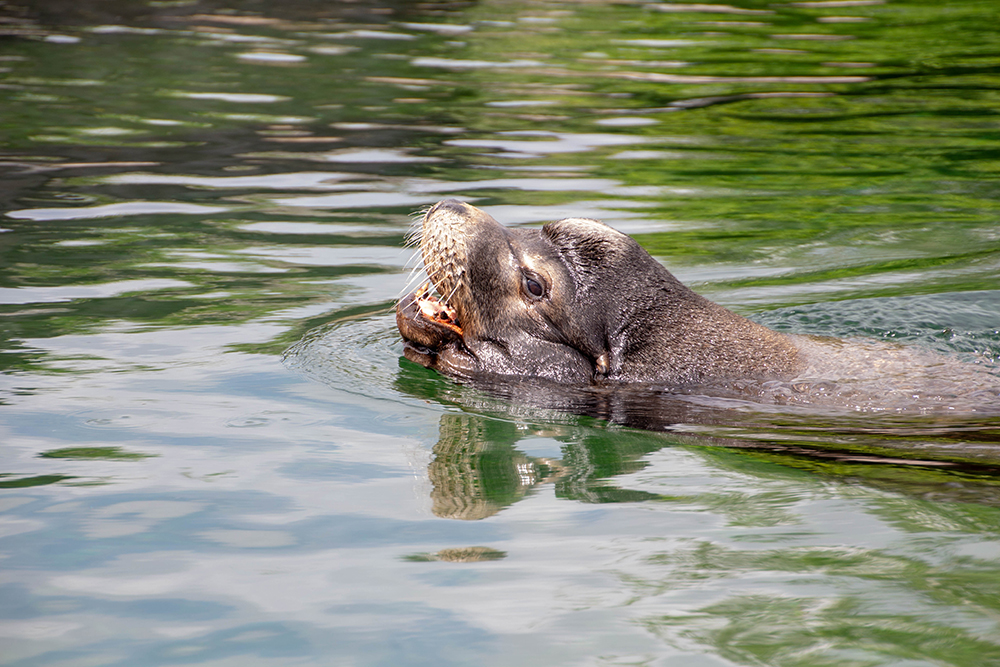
pixel 580 303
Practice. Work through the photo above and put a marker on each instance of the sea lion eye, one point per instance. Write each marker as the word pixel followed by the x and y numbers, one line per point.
pixel 534 286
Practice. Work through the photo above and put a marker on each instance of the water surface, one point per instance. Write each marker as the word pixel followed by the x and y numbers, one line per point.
pixel 213 452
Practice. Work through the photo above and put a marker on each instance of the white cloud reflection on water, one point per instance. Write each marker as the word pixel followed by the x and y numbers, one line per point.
pixel 296 180
pixel 65 293
pixel 114 210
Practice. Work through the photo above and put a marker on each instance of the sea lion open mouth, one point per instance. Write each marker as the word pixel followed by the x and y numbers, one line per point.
pixel 424 320
pixel 435 310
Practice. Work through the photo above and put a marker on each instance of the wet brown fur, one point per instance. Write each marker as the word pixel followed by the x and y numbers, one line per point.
pixel 609 312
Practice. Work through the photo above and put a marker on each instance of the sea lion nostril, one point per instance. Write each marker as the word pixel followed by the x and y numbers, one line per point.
pixel 450 205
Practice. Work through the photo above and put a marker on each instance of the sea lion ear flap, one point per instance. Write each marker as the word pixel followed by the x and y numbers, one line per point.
pixel 583 241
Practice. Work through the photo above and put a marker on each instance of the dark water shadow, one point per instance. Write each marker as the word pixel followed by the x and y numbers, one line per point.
pixel 480 464
pixel 478 468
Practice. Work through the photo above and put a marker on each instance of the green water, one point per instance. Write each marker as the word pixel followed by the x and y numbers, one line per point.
pixel 212 452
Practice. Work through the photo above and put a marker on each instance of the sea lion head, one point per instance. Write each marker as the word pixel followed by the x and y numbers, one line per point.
pixel 521 302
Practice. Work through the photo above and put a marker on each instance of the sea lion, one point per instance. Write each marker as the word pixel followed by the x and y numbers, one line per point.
pixel 575 302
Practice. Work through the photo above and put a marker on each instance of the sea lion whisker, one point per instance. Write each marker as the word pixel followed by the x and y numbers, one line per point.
pixel 436 273
pixel 454 289
pixel 416 276
pixel 414 270
pixel 416 220
pixel 434 269
pixel 414 256
pixel 437 281
pixel 415 232
pixel 412 238
pixel 417 271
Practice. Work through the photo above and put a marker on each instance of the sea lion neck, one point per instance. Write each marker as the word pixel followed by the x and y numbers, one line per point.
pixel 654 327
